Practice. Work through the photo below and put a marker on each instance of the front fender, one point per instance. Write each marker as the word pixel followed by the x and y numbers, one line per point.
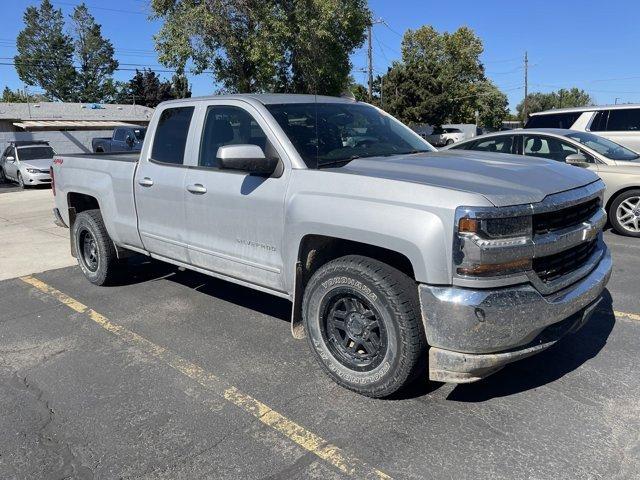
pixel 419 235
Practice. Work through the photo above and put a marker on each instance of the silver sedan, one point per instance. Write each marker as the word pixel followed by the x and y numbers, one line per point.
pixel 618 166
pixel 27 164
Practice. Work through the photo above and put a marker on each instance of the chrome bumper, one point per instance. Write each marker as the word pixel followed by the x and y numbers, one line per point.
pixel 473 333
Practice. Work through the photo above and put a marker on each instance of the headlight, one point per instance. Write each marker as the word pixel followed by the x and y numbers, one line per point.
pixel 487 246
pixel 33 170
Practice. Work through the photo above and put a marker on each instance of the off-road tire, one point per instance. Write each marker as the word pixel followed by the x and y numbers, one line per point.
pixel 105 270
pixel 393 296
pixel 613 209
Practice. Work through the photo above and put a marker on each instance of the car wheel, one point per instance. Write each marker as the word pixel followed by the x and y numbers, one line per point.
pixel 624 213
pixel 363 323
pixel 449 142
pixel 21 181
pixel 95 251
pixel 3 177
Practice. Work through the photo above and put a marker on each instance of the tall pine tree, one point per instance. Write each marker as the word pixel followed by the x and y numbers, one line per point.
pixel 45 52
pixel 94 55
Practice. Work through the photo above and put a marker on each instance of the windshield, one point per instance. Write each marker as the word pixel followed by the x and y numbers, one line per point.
pixel 139 133
pixel 605 147
pixel 35 153
pixel 331 133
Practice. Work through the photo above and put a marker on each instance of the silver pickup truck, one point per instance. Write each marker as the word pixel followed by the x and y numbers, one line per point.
pixel 398 259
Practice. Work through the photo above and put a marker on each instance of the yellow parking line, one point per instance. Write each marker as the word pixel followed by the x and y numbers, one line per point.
pixel 627 316
pixel 309 441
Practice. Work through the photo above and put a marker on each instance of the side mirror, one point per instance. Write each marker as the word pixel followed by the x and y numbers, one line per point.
pixel 10 159
pixel 577 159
pixel 247 158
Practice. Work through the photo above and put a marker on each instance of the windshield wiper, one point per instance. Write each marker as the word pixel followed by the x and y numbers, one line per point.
pixel 337 162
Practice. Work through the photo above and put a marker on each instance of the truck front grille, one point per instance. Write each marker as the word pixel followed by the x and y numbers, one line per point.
pixel 565 217
pixel 555 266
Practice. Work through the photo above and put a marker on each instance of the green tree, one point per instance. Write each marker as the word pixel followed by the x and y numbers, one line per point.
pixel 94 55
pixel 45 52
pixel 298 46
pixel 440 79
pixel 563 98
pixel 146 88
pixel 21 96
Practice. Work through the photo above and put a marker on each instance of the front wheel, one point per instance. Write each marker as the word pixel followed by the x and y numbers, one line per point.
pixel 21 181
pixel 3 177
pixel 624 213
pixel 363 322
pixel 449 142
pixel 95 251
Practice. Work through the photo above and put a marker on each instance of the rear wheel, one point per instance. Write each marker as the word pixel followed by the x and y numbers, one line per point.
pixel 624 213
pixel 363 322
pixel 95 251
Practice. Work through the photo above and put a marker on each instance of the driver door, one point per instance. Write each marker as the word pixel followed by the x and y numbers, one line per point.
pixel 235 220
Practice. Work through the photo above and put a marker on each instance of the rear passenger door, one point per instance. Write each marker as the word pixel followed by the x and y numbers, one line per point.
pixel 235 220
pixel 159 186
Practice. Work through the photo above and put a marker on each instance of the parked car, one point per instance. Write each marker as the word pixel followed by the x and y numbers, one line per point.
pixel 619 123
pixel 123 139
pixel 444 136
pixel 616 165
pixel 27 162
pixel 397 258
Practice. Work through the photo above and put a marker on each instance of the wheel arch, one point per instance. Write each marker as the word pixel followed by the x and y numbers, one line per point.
pixel 315 250
pixel 615 195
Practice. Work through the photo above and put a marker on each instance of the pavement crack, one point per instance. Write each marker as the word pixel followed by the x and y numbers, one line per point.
pixel 71 466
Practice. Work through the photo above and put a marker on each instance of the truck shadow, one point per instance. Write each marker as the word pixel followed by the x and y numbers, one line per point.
pixel 566 356
pixel 143 269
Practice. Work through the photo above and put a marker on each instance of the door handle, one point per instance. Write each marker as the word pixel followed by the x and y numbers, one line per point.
pixel 145 182
pixel 197 188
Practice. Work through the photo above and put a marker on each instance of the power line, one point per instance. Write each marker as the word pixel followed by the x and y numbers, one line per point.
pixel 92 7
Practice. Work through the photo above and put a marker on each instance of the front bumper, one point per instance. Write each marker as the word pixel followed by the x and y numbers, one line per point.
pixel 40 178
pixel 475 332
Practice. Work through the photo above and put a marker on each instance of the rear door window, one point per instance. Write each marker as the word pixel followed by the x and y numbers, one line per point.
pixel 502 144
pixel 553 120
pixel 624 120
pixel 599 122
pixel 118 135
pixel 170 138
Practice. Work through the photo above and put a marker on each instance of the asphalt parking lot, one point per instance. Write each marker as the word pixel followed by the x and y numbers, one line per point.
pixel 172 374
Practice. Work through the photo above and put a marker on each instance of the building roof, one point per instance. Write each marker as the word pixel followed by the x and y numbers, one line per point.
pixel 61 111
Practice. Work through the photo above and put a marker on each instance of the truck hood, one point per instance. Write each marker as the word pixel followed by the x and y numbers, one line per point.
pixel 502 179
pixel 42 164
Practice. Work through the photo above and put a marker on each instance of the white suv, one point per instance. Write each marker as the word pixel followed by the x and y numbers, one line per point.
pixel 619 123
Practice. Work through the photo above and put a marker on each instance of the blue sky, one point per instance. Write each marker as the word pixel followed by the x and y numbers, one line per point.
pixel 585 43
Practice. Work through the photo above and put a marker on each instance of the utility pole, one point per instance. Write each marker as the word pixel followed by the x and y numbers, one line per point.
pixel 526 85
pixel 370 55
pixel 370 59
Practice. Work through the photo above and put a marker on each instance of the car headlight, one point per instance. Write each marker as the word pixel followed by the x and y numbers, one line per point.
pixel 488 246
pixel 33 170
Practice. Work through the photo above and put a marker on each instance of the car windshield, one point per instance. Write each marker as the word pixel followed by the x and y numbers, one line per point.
pixel 35 153
pixel 139 133
pixel 333 133
pixel 605 147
